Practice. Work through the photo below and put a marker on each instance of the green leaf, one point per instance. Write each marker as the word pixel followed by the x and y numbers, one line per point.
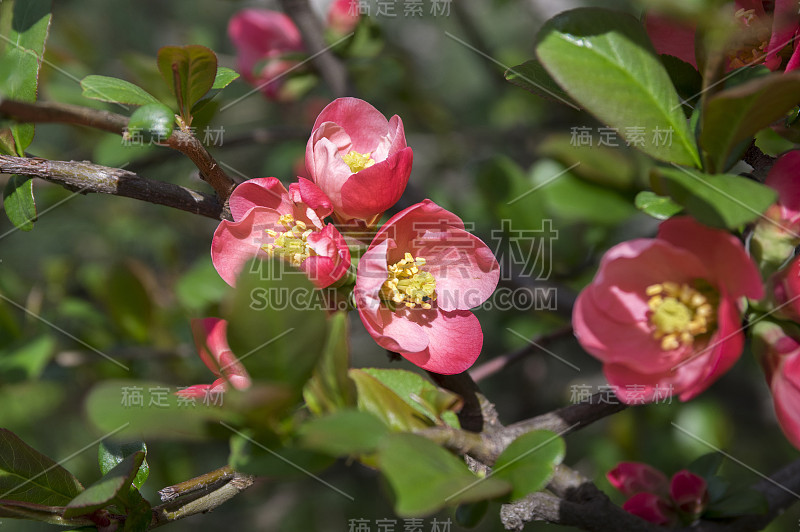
pixel 344 433
pixel 330 389
pixel 110 454
pixel 102 492
pixel 529 461
pixel 706 465
pixel 746 501
pixel 139 514
pixel 27 475
pixel 724 201
pixel 734 115
pixel 659 207
pixel 687 80
pixel 154 120
pixel 425 477
pixel 601 164
pixel 276 323
pixel 189 71
pixel 27 361
pixel 19 203
pixel 378 399
pixel 38 512
pixel 434 402
pixel 265 455
pixel 108 89
pixel 225 76
pixel 200 287
pixel 20 61
pixel 151 410
pixel 605 61
pixel 532 77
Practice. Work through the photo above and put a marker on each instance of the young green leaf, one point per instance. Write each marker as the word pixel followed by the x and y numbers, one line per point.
pixel 529 461
pixel 604 60
pixel 659 207
pixel 107 89
pixel 154 120
pixel 110 454
pixel 21 59
pixel 425 477
pixel 189 71
pixel 330 389
pixel 380 400
pixel 344 433
pixel 27 475
pixel 225 76
pixel 116 482
pixel 734 115
pixel 19 203
pixel 724 201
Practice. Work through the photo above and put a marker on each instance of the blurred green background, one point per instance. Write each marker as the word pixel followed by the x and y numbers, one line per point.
pixel 125 277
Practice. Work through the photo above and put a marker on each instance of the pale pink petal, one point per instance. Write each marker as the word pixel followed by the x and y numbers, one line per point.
pixel 721 252
pixel 375 189
pixel 236 243
pixel 455 341
pixel 259 192
pixel 392 142
pixel 330 172
pixel 362 121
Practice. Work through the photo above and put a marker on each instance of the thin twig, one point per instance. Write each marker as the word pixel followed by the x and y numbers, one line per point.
pixel 181 141
pixel 86 177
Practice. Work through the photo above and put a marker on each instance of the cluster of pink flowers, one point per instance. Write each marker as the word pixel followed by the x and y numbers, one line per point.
pixel 268 41
pixel 416 282
pixel 767 33
pixel 657 499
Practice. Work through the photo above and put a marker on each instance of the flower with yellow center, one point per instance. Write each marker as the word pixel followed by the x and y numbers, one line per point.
pixel 678 314
pixel 358 161
pixel 753 49
pixel 291 244
pixel 408 285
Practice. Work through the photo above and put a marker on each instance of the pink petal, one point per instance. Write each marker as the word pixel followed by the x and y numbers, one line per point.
pixel 197 390
pixel 688 492
pixel 455 340
pixel 371 274
pixel 783 177
pixel 259 34
pixel 465 269
pixel 259 192
pixel 365 124
pixel 307 193
pixel 414 222
pixel 785 23
pixel 211 333
pixel 650 507
pixel 236 243
pixel 332 260
pixel 392 142
pixel 375 189
pixel 671 37
pixel 343 16
pixel 328 170
pixel 722 253
pixel 631 478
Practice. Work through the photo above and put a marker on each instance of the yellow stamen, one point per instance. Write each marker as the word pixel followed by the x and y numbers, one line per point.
pixel 292 243
pixel 755 38
pixel 679 313
pixel 358 161
pixel 408 285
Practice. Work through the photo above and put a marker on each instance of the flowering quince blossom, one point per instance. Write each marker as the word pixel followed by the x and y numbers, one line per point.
pixel 786 290
pixel 777 233
pixel 768 35
pixel 779 354
pixel 212 333
pixel 359 159
pixel 416 283
pixel 271 221
pixel 264 37
pixel 663 315
pixel 343 16
pixel 655 499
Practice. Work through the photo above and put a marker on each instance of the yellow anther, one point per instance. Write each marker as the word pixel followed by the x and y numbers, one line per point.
pixel 291 244
pixel 678 313
pixel 408 285
pixel 358 161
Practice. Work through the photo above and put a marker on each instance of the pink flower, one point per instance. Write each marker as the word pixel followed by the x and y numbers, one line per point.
pixel 271 221
pixel 650 507
pixel 262 39
pixel 783 177
pixel 786 290
pixel 415 286
pixel 343 16
pixel 688 492
pixel 212 333
pixel 777 233
pixel 663 315
pixel 779 354
pixel 631 478
pixel 766 37
pixel 359 159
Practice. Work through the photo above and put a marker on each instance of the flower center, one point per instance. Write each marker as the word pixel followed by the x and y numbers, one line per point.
pixel 408 285
pixel 678 313
pixel 292 243
pixel 358 161
pixel 753 49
